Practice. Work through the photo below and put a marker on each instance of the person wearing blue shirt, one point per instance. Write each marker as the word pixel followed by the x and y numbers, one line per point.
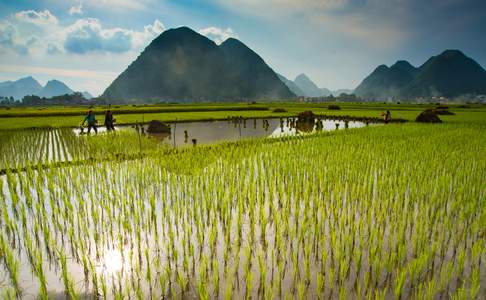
pixel 91 120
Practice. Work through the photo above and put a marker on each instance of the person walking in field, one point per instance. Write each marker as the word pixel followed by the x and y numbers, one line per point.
pixel 387 117
pixel 91 120
pixel 109 121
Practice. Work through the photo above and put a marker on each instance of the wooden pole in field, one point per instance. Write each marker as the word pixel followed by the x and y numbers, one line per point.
pixel 175 127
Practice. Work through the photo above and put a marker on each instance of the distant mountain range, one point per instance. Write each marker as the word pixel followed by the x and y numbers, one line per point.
pixel 450 74
pixel 181 64
pixel 20 88
pixel 54 88
pixel 304 86
pixel 309 88
pixel 293 87
pixel 29 86
pixel 343 91
pixel 87 95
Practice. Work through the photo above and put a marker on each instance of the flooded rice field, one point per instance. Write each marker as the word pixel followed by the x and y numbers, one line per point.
pixel 40 146
pixel 208 132
pixel 330 218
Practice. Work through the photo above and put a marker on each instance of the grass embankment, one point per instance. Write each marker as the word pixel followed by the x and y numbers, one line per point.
pixel 16 118
pixel 53 111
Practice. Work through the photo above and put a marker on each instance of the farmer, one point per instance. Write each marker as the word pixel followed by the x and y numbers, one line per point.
pixel 91 120
pixel 387 117
pixel 109 120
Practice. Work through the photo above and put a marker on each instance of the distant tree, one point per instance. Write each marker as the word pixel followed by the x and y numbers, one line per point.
pixel 32 100
pixel 67 99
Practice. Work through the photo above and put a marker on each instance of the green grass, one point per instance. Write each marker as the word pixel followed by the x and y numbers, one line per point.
pixel 66 116
pixel 51 111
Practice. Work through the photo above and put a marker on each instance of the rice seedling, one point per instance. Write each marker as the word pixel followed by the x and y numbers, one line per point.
pixel 368 213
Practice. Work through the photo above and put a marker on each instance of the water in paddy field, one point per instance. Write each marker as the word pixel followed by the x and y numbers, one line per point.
pixel 233 130
pixel 207 132
pixel 123 227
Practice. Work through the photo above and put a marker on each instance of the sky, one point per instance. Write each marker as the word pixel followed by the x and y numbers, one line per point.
pixel 87 43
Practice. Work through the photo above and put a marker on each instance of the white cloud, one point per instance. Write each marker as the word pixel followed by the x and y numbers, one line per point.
pixel 9 39
pixel 7 33
pixel 53 49
pixel 41 18
pixel 218 35
pixel 76 10
pixel 141 38
pixel 28 32
pixel 88 35
pixel 39 32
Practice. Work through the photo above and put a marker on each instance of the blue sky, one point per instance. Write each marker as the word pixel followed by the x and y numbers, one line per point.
pixel 87 43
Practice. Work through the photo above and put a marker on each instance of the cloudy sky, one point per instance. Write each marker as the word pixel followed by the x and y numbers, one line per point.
pixel 87 43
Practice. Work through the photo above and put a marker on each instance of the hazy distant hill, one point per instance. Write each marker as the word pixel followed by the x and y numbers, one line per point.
pixel 326 92
pixel 20 88
pixel 181 64
pixel 309 88
pixel 386 82
pixel 28 86
pixel 449 74
pixel 304 86
pixel 342 91
pixel 291 85
pixel 54 88
pixel 87 95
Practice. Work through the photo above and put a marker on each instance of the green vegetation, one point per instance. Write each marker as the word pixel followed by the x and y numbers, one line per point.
pixel 42 147
pixel 388 212
pixel 14 118
pixel 50 111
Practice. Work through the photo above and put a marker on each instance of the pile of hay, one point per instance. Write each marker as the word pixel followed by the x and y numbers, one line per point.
pixel 158 127
pixel 428 116
pixel 279 110
pixel 306 116
pixel 334 107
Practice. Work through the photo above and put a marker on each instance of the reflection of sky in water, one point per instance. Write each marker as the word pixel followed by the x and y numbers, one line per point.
pixel 217 131
pixel 327 125
pixel 210 132
pixel 112 262
pixel 101 129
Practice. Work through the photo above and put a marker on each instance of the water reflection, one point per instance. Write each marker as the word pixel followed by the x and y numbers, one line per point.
pixel 194 133
pixel 101 129
pixel 112 262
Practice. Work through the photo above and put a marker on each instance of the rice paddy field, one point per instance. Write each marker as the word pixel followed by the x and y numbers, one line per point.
pixel 379 212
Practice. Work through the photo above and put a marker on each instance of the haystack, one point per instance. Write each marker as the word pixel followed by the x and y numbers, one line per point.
pixel 158 127
pixel 428 116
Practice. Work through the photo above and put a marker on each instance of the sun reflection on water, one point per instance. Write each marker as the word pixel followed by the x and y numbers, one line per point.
pixel 113 262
